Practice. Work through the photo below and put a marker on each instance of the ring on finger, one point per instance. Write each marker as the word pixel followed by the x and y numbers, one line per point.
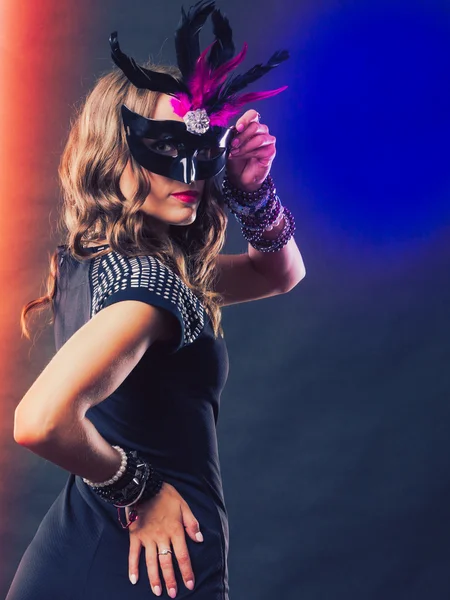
pixel 165 551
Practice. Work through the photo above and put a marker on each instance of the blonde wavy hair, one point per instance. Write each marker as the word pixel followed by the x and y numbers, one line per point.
pixel 94 208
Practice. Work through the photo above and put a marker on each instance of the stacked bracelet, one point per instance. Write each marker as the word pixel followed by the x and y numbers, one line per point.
pixel 119 473
pixel 247 203
pixel 136 480
pixel 258 212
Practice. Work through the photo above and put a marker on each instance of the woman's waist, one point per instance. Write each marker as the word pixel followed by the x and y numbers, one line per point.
pixel 197 467
pixel 191 447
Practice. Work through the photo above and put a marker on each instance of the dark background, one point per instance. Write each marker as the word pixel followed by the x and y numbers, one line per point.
pixel 334 424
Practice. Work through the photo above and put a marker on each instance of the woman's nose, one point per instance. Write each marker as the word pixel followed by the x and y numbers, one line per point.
pixel 189 169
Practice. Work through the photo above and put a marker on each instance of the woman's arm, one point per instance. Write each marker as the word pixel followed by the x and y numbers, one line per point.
pixel 50 419
pixel 249 164
pixel 285 267
pixel 78 448
pixel 256 275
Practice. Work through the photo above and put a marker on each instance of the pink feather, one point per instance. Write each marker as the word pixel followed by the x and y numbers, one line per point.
pixel 230 109
pixel 205 82
pixel 181 104
pixel 200 80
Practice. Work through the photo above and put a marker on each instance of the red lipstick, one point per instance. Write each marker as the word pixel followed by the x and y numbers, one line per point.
pixel 188 196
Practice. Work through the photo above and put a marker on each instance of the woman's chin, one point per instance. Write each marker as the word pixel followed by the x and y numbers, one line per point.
pixel 178 217
pixel 184 219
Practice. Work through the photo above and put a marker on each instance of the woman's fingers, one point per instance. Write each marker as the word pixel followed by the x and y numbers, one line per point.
pixel 255 142
pixel 152 562
pixel 183 559
pixel 255 128
pixel 190 523
pixel 263 152
pixel 250 127
pixel 133 559
pixel 166 564
pixel 151 559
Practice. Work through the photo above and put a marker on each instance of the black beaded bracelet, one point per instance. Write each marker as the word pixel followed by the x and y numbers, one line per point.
pixel 152 486
pixel 139 481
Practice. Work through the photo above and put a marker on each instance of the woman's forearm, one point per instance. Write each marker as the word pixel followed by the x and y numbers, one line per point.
pixel 80 449
pixel 285 266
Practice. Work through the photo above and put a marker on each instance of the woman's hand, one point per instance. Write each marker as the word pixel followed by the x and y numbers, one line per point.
pixel 161 522
pixel 251 159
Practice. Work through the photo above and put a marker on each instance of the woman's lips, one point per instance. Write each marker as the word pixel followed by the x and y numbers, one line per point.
pixel 186 196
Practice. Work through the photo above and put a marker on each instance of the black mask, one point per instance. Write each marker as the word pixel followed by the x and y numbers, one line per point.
pixel 169 149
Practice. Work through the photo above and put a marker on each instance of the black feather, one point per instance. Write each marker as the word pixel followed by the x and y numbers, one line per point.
pixel 144 78
pixel 239 82
pixel 224 48
pixel 187 43
pixel 236 84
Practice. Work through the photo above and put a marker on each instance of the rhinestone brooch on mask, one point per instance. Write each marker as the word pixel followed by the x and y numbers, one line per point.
pixel 197 121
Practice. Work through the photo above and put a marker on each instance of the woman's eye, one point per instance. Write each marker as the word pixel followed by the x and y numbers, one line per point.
pixel 164 148
pixel 161 147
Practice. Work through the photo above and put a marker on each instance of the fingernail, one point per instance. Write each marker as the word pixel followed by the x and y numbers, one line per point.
pixel 172 592
pixel 157 590
pixel 190 584
pixel 133 578
pixel 235 143
pixel 199 536
pixel 240 127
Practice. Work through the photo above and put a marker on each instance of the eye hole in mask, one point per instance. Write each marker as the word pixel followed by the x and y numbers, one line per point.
pixel 169 148
pixel 162 147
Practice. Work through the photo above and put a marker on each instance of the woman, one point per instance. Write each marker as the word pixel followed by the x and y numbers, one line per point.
pixel 130 401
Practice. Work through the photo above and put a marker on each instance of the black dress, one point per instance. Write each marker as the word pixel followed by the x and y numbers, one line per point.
pixel 167 409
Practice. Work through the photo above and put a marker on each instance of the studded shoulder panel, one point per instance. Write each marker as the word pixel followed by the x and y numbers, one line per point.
pixel 115 277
